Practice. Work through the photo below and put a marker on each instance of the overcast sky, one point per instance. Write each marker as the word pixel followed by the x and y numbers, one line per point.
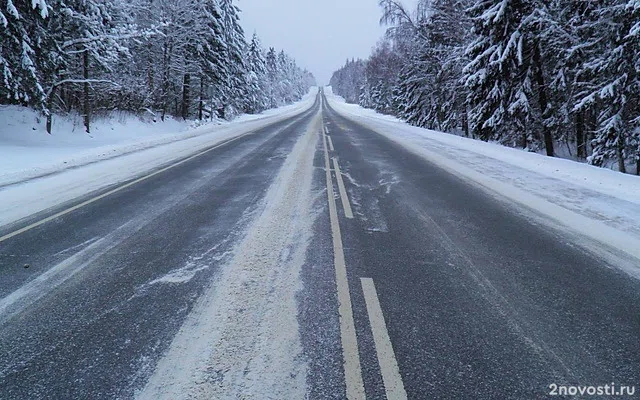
pixel 319 34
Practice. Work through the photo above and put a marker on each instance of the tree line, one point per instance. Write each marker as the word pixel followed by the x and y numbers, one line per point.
pixel 525 73
pixel 184 58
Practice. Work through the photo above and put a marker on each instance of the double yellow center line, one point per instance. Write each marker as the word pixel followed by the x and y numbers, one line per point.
pixel 394 387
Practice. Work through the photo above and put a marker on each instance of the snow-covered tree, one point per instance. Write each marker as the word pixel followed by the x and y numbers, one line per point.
pixel 381 78
pixel 349 80
pixel 84 40
pixel 526 73
pixel 22 25
pixel 610 79
pixel 256 78
pixel 170 57
pixel 506 78
pixel 233 91
pixel 429 91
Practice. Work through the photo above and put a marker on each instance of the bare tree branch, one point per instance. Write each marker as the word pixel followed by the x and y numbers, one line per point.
pixel 65 81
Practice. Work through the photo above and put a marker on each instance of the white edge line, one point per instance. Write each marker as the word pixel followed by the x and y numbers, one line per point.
pixel 391 378
pixel 119 188
pixel 352 368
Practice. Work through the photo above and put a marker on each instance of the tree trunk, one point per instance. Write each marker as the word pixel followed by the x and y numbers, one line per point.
pixel 542 98
pixel 580 138
pixel 201 100
pixel 465 124
pixel 592 126
pixel 186 82
pixel 211 109
pixel 49 108
pixel 85 74
pixel 151 74
pixel 166 57
pixel 620 153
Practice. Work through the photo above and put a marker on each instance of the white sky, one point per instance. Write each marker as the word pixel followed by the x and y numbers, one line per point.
pixel 319 34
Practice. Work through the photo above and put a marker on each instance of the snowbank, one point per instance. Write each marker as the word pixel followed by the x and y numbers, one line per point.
pixel 27 151
pixel 98 165
pixel 596 202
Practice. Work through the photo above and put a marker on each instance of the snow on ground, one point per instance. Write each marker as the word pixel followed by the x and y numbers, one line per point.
pixel 242 341
pixel 27 151
pixel 48 171
pixel 599 203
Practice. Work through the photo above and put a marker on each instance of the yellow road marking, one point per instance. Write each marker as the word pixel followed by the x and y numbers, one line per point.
pixel 352 369
pixel 343 192
pixel 391 378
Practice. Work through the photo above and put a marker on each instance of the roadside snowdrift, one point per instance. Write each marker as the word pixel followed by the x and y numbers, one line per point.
pixel 100 166
pixel 27 151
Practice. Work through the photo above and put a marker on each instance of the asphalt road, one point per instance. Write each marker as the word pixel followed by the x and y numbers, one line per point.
pixel 479 299
pixel 95 328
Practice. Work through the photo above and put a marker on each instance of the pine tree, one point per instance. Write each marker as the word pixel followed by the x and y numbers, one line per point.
pixel 429 93
pixel 381 78
pixel 166 56
pixel 506 79
pixel 233 90
pixel 272 76
pixel 349 80
pixel 23 29
pixel 84 38
pixel 210 47
pixel 257 99
pixel 610 80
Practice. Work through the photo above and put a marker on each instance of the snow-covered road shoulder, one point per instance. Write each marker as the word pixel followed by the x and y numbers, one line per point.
pixel 600 204
pixel 33 186
pixel 28 152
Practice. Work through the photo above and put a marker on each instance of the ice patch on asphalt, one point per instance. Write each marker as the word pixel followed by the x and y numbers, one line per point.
pixel 188 272
pixel 387 184
pixel 376 222
pixel 350 178
pixel 77 246
pixel 180 275
pixel 242 340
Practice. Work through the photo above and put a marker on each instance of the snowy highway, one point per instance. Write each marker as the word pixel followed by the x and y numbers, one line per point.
pixel 310 257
